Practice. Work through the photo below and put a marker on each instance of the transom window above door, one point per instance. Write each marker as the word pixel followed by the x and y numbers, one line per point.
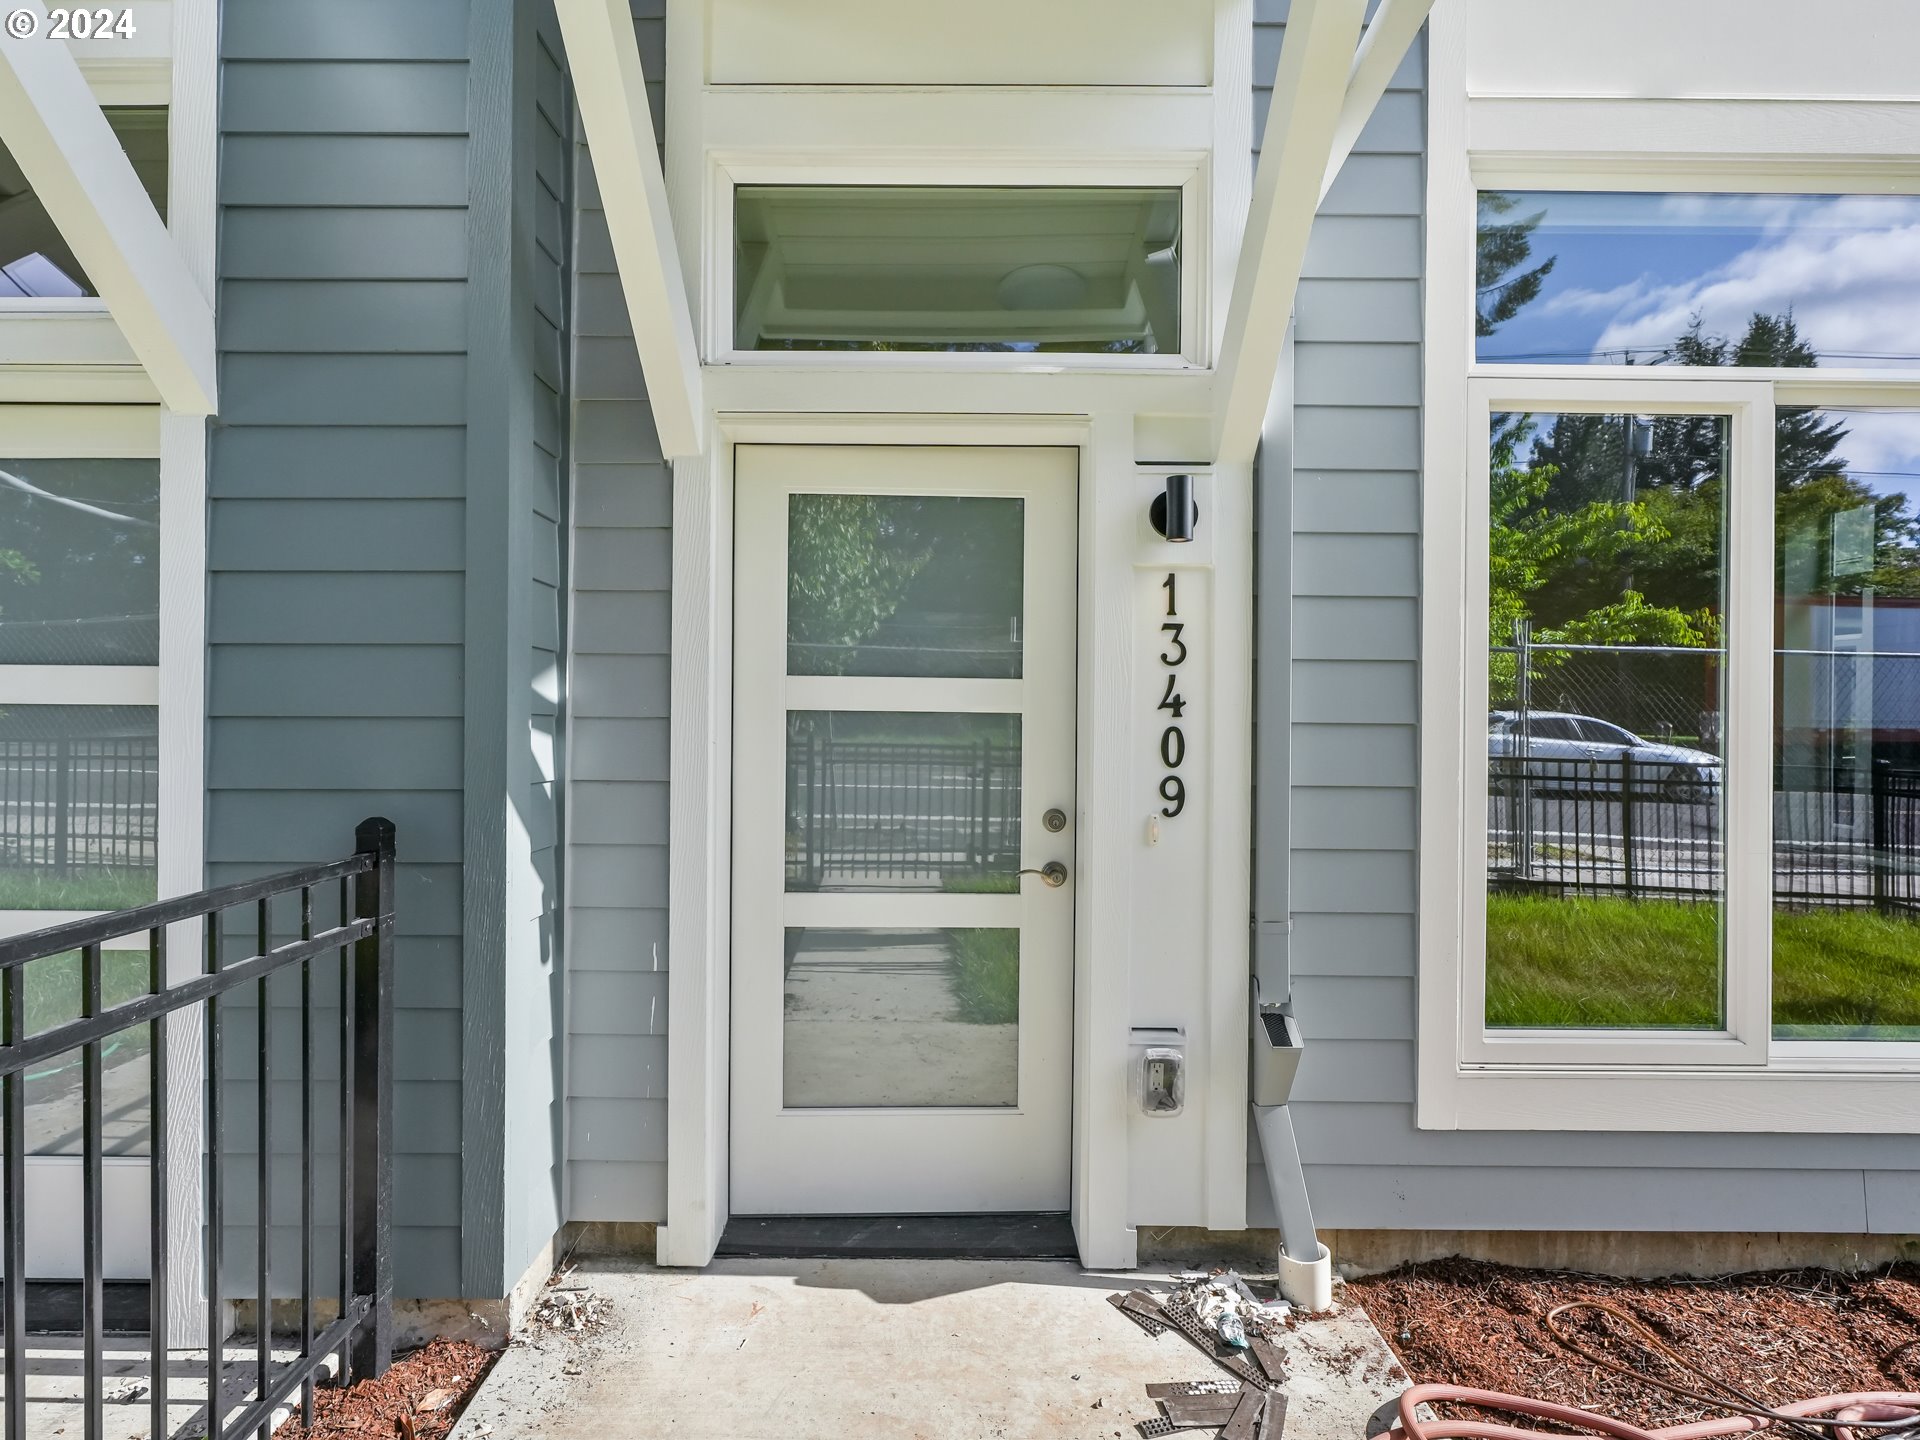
pixel 1083 270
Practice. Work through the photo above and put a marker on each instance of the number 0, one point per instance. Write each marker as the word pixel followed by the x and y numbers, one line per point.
pixel 1173 747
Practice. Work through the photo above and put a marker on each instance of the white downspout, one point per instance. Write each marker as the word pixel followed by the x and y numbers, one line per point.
pixel 1305 1265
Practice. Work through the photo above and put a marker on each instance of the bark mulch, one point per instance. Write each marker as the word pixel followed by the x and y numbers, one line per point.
pixel 427 1389
pixel 1780 1336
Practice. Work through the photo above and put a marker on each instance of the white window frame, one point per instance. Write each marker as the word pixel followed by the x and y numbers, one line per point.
pixel 1740 1079
pixel 1106 169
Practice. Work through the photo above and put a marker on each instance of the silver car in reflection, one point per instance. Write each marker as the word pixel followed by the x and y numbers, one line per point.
pixel 1583 752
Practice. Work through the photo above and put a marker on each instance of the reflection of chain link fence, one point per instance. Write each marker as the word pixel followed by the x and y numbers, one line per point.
pixel 1668 694
pixel 110 640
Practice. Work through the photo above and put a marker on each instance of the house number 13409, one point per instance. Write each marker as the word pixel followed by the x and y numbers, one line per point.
pixel 1173 740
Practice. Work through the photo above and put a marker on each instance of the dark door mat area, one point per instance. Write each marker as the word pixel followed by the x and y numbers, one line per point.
pixel 1028 1235
pixel 53 1307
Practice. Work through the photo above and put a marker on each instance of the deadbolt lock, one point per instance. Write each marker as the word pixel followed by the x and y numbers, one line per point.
pixel 1055 820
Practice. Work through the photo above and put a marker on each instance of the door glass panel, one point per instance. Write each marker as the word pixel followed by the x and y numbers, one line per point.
pixel 79 806
pixel 79 562
pixel 1605 868
pixel 901 1018
pixel 957 268
pixel 1846 804
pixel 903 801
pixel 920 585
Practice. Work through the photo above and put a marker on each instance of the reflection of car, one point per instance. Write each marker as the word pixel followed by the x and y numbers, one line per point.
pixel 1579 752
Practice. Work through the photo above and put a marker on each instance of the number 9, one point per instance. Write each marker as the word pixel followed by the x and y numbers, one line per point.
pixel 1173 790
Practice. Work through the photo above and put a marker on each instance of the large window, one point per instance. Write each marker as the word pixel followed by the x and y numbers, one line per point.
pixel 1607 614
pixel 1692 626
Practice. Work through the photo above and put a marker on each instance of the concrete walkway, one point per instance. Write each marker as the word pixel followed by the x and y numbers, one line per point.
pixel 901 1349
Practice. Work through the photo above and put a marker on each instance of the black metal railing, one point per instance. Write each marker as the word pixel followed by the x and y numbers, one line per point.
pixel 360 934
pixel 1644 831
pixel 864 810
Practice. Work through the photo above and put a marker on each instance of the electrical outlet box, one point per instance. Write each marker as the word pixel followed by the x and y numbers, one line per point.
pixel 1159 1070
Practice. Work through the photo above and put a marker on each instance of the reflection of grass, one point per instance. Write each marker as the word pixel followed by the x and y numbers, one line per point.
pixel 1845 967
pixel 1604 963
pixel 84 890
pixel 1655 964
pixel 52 985
pixel 984 973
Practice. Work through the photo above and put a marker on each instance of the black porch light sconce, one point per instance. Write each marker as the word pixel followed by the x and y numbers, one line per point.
pixel 1174 513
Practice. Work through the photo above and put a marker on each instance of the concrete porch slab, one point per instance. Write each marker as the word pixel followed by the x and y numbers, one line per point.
pixel 901 1349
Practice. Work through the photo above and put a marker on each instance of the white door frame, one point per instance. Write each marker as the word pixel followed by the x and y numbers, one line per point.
pixel 1115 552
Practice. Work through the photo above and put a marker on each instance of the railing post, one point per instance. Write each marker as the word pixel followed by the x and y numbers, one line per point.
pixel 372 1138
pixel 1626 818
pixel 62 804
pixel 1881 859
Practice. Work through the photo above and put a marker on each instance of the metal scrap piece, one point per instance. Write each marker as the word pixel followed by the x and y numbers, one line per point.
pixel 1158 1425
pixel 1274 1419
pixel 1193 1412
pixel 1143 1308
pixel 1161 1389
pixel 1246 1415
pixel 1268 1355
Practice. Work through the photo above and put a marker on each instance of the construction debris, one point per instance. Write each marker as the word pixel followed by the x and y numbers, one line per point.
pixel 567 1307
pixel 1223 1319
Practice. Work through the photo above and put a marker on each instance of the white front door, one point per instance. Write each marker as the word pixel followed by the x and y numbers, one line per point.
pixel 903 751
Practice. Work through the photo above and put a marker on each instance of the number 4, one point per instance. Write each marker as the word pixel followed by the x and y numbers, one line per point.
pixel 1172 701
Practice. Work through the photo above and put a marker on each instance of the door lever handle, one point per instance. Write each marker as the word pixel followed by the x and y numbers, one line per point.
pixel 1053 874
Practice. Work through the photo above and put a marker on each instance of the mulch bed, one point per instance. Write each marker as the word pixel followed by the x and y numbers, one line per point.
pixel 1780 1336
pixel 373 1409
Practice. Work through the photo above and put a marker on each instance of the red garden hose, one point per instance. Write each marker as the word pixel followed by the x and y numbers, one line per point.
pixel 1866 1415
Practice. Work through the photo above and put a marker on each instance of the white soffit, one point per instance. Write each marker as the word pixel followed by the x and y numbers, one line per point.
pixel 1701 49
pixel 978 42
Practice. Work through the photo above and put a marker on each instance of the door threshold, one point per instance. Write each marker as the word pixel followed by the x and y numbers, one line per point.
pixel 1013 1235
